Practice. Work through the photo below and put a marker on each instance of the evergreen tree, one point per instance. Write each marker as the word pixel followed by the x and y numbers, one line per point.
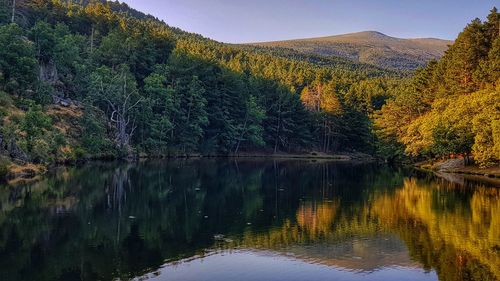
pixel 251 130
pixel 17 60
pixel 158 111
pixel 191 117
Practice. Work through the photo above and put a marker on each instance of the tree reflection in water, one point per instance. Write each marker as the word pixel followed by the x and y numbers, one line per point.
pixel 108 221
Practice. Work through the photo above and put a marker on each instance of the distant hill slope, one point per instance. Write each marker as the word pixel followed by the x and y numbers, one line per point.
pixel 337 62
pixel 370 47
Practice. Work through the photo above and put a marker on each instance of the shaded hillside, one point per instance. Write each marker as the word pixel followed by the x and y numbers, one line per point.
pixel 371 47
pixel 337 62
pixel 143 87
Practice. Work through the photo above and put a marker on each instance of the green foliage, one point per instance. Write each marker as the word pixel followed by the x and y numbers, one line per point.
pixel 368 48
pixel 187 93
pixel 451 106
pixel 486 128
pixel 450 139
pixel 159 110
pixel 45 39
pixel 17 60
pixel 4 167
pixel 5 12
pixel 36 126
pixel 149 87
pixel 251 130
pixel 192 115
pixel 369 95
pixel 5 100
pixel 43 93
pixel 40 150
pixel 115 91
pixel 95 140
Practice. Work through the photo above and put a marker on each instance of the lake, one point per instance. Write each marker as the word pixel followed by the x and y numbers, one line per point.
pixel 248 219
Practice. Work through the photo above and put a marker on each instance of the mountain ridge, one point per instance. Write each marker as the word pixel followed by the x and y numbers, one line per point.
pixel 371 47
pixel 366 32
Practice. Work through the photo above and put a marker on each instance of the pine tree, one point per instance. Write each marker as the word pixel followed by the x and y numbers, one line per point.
pixel 17 60
pixel 192 116
pixel 251 130
pixel 158 111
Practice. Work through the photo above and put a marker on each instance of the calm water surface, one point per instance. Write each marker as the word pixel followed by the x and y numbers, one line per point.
pixel 248 220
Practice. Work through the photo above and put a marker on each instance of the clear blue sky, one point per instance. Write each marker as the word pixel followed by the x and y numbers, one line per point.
pixel 239 21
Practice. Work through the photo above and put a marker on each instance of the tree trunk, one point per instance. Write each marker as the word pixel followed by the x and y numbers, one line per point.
pixel 187 122
pixel 123 139
pixel 466 159
pixel 92 40
pixel 242 134
pixel 324 135
pixel 13 11
pixel 276 141
pixel 278 129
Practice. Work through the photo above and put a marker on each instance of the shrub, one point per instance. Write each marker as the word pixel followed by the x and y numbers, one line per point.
pixel 4 167
pixel 79 153
pixel 40 151
pixel 5 99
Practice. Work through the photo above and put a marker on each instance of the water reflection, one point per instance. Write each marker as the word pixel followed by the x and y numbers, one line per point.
pixel 120 221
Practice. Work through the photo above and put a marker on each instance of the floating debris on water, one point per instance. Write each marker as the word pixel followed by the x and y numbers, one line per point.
pixel 222 238
pixel 219 237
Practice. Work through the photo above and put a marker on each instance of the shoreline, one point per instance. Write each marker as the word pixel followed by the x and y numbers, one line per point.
pixel 347 157
pixel 29 172
pixel 454 167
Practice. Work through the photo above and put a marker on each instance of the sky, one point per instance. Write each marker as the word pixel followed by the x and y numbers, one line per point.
pixel 239 21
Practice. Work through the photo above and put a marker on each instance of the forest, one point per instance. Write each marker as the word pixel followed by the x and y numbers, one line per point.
pixel 97 79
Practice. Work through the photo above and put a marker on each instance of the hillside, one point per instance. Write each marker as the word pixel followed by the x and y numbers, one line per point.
pixel 142 87
pixel 451 109
pixel 370 47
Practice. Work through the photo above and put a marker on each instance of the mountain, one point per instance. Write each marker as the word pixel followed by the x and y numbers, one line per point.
pixel 370 47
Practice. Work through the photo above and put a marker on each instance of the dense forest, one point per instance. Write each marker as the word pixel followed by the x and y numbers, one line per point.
pixel 82 79
pixel 451 106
